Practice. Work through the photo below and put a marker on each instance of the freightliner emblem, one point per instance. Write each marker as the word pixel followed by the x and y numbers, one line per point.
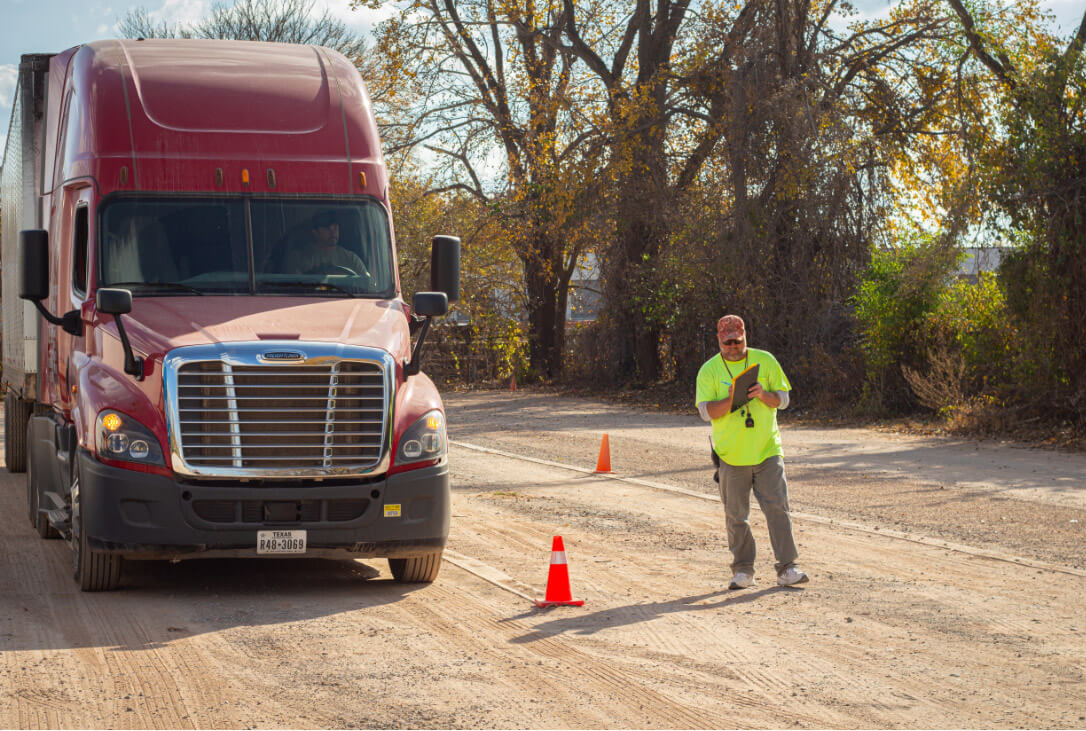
pixel 281 356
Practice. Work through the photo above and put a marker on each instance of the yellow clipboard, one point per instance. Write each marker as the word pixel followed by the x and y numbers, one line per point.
pixel 743 382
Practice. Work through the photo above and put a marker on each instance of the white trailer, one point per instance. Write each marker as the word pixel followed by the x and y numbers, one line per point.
pixel 21 207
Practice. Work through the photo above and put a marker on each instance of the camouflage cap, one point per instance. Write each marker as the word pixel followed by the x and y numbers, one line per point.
pixel 730 326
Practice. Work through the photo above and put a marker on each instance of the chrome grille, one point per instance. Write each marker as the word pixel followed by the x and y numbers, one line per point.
pixel 238 417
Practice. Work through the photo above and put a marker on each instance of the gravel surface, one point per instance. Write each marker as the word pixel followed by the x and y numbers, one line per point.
pixel 889 633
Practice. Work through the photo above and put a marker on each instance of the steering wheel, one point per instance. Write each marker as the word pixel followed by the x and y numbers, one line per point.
pixel 339 269
pixel 334 269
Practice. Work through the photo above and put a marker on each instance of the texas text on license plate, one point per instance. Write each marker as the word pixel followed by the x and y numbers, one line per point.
pixel 280 541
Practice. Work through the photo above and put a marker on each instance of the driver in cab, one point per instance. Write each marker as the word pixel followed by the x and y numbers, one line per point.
pixel 320 252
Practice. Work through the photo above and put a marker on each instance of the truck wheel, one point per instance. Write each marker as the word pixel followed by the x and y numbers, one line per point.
pixel 94 570
pixel 416 570
pixel 39 520
pixel 16 415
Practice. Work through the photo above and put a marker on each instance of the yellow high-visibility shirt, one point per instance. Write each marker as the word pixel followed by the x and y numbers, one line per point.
pixel 735 442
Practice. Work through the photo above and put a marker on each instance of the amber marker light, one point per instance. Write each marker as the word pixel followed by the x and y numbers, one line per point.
pixel 362 178
pixel 245 176
pixel 111 422
pixel 433 422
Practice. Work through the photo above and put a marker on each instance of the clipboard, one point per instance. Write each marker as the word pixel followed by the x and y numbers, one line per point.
pixel 743 382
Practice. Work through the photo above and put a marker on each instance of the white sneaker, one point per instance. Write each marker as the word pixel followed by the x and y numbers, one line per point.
pixel 791 576
pixel 741 581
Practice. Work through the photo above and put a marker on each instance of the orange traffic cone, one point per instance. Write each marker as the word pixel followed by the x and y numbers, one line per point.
pixel 558 591
pixel 603 464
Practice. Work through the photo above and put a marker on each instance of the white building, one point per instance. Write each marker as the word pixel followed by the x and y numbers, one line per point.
pixel 979 259
pixel 585 293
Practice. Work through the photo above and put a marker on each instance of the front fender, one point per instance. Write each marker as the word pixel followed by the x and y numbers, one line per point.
pixel 101 387
pixel 417 396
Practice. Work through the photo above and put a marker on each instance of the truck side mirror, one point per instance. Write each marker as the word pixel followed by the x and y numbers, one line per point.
pixel 34 264
pixel 429 305
pixel 34 279
pixel 445 266
pixel 113 301
pixel 118 302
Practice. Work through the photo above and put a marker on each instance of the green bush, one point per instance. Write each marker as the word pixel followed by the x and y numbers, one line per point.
pixel 973 320
pixel 896 297
pixel 932 340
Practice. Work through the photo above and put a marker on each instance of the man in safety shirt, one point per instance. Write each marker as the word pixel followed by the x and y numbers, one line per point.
pixel 747 443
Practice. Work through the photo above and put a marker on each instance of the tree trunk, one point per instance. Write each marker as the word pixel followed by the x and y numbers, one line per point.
pixel 546 310
pixel 630 277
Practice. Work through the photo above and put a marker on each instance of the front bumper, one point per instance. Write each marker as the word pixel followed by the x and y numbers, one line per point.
pixel 144 516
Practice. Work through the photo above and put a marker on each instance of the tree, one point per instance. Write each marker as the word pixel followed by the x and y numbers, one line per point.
pixel 479 341
pixel 637 79
pixel 272 21
pixel 1035 167
pixel 768 100
pixel 486 91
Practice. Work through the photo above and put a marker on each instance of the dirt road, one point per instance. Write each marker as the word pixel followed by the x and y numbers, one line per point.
pixel 947 584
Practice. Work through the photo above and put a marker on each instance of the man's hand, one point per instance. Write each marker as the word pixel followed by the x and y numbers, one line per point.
pixel 769 398
pixel 721 408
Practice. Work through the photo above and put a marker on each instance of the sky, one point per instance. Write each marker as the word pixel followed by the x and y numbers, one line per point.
pixel 49 26
pixel 35 26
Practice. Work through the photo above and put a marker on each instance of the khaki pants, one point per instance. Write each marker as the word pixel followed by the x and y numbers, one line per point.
pixel 771 489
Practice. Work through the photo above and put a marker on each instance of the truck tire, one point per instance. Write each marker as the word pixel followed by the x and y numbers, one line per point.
pixel 94 570
pixel 39 520
pixel 416 570
pixel 16 415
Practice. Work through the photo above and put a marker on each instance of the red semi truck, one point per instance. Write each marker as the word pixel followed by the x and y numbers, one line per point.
pixel 221 362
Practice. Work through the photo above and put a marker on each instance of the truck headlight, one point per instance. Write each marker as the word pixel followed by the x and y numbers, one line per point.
pixel 122 438
pixel 424 440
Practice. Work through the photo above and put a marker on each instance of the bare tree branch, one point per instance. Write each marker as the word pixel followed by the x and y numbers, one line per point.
pixel 1004 71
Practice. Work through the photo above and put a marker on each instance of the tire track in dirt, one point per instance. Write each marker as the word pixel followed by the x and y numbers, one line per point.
pixel 677 636
pixel 131 679
pixel 32 565
pixel 198 693
pixel 657 709
pixel 111 652
pixel 40 708
pixel 796 515
pixel 664 639
pixel 168 673
pixel 932 577
pixel 543 682
pixel 137 685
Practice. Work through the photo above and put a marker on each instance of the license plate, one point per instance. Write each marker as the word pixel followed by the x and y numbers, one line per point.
pixel 280 541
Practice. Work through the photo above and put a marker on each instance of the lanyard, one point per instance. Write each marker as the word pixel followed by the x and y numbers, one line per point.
pixel 746 359
pixel 746 407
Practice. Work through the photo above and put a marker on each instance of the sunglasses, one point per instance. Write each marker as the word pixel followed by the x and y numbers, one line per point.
pixel 732 342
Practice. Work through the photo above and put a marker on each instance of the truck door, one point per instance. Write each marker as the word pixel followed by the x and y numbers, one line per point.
pixel 73 279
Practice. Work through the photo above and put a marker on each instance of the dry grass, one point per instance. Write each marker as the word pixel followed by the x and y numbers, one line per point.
pixel 942 388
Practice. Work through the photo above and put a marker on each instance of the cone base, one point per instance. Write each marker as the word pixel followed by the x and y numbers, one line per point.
pixel 571 603
pixel 601 472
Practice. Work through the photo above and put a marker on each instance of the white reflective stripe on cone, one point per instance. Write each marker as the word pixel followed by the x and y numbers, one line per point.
pixel 558 556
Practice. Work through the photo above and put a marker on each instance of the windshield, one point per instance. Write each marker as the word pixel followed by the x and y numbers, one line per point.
pixel 193 246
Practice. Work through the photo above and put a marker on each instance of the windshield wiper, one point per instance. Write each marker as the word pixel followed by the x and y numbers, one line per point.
pixel 171 285
pixel 264 286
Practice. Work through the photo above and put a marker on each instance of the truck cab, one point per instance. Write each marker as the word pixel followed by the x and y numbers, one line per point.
pixel 221 362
